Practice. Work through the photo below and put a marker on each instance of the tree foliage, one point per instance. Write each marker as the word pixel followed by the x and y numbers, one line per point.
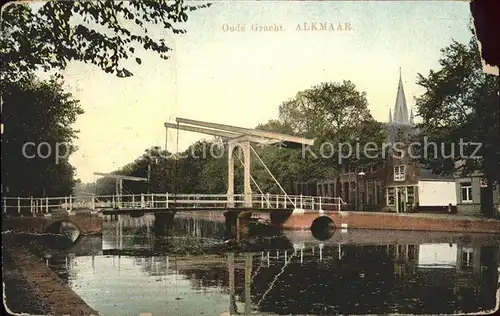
pixel 103 33
pixel 326 110
pixel 461 104
pixel 334 114
pixel 38 112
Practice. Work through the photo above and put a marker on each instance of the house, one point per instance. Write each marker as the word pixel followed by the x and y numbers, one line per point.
pixel 407 186
pixel 469 193
pixel 397 184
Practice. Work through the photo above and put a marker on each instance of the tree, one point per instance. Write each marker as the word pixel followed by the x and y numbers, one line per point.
pixel 103 33
pixel 326 110
pixel 333 113
pixel 461 104
pixel 286 164
pixel 38 138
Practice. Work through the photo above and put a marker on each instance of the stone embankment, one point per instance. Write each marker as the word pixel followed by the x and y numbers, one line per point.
pixel 33 288
pixel 391 221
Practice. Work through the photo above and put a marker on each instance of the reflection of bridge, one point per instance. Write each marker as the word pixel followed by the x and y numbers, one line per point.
pixel 118 232
pixel 256 279
pixel 259 279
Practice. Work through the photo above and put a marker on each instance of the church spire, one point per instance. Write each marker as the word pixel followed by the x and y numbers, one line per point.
pixel 411 116
pixel 390 116
pixel 400 108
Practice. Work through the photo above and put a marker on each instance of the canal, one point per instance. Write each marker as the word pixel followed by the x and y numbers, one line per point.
pixel 128 271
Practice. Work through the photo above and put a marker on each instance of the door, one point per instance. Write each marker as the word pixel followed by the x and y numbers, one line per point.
pixel 401 205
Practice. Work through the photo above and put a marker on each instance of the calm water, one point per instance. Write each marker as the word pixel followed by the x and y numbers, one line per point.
pixel 128 271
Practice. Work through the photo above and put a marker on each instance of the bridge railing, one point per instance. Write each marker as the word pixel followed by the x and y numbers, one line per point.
pixel 36 206
pixel 47 205
pixel 313 203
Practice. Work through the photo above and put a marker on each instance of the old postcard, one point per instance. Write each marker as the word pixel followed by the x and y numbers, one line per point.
pixel 250 158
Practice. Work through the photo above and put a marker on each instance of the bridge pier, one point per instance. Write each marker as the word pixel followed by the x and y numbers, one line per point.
pixel 163 223
pixel 278 218
pixel 237 224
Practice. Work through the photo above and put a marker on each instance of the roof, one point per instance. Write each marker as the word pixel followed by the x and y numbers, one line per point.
pixel 400 108
pixel 427 174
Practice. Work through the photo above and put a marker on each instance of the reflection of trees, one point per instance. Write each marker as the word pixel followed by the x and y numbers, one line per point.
pixel 347 285
pixel 375 279
pixel 134 233
pixel 200 228
pixel 359 279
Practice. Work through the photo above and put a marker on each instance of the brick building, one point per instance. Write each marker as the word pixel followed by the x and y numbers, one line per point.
pixel 391 185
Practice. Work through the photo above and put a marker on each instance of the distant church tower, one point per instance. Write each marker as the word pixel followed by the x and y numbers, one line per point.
pixel 400 108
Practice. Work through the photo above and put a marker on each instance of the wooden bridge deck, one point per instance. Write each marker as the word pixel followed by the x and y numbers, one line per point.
pixel 191 209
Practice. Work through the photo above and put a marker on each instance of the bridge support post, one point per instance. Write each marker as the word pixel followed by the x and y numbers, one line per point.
pixel 19 205
pixel 246 178
pixel 237 224
pixel 248 282
pixel 230 176
pixel 164 223
pixel 232 292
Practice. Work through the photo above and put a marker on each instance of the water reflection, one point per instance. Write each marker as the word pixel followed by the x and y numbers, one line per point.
pixel 61 235
pixel 419 273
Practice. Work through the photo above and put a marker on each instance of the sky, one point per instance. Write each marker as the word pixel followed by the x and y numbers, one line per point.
pixel 241 77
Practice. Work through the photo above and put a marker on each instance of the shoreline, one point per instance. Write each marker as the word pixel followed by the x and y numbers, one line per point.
pixel 37 289
pixel 390 221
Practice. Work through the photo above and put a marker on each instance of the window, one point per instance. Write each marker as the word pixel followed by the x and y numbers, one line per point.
pixel 467 258
pixel 353 195
pixel 373 168
pixel 351 169
pixel 484 183
pixel 390 196
pixel 370 192
pixel 345 188
pixel 466 191
pixel 410 195
pixel 379 191
pixel 399 173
